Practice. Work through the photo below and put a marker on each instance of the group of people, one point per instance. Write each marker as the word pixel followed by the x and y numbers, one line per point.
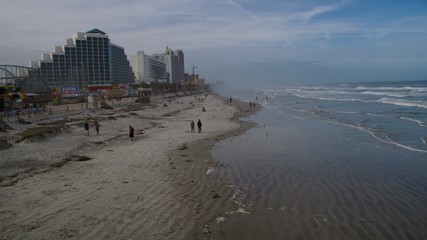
pixel 132 130
pixel 96 124
pixel 199 126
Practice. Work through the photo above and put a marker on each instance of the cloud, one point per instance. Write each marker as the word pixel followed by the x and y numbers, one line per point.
pixel 212 32
pixel 319 10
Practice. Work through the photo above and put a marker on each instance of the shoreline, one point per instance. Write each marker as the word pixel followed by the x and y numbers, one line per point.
pixel 219 199
pixel 167 194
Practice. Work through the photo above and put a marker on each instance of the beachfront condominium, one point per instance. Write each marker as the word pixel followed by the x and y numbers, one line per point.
pixel 174 61
pixel 148 69
pixel 87 58
pixel 180 65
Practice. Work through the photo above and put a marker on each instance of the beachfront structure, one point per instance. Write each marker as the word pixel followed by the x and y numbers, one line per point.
pixel 193 82
pixel 148 69
pixel 174 61
pixel 180 65
pixel 87 58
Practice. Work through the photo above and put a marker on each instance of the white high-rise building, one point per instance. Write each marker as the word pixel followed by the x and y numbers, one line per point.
pixel 148 69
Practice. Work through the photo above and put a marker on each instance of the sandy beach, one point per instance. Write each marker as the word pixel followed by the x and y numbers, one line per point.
pixel 59 183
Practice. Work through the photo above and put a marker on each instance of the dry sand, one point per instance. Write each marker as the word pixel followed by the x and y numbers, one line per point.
pixel 59 183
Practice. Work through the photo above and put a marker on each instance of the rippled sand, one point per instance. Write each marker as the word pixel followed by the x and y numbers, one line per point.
pixel 67 185
pixel 310 179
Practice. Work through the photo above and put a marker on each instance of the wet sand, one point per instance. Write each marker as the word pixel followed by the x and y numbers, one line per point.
pixel 60 183
pixel 305 178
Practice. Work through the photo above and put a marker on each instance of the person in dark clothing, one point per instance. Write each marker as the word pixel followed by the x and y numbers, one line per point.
pixel 199 125
pixel 131 132
pixel 97 126
pixel 86 125
pixel 192 126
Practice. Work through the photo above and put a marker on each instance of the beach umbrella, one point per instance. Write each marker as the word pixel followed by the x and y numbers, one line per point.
pixel 17 95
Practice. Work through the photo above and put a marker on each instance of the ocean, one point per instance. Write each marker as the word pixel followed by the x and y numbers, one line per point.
pixel 330 161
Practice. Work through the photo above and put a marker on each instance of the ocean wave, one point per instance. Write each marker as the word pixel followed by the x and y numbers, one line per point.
pixel 332 98
pixel 402 102
pixel 420 123
pixel 294 109
pixel 390 94
pixel 394 89
pixel 405 146
pixel 373 132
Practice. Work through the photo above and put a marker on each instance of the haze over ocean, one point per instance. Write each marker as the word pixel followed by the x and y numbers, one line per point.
pixel 330 161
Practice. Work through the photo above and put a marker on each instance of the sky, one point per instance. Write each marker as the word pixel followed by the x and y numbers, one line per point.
pixel 241 42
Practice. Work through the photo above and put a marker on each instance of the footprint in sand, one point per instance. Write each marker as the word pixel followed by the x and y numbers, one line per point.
pixel 88 220
pixel 68 233
pixel 7 215
pixel 128 198
pixel 35 203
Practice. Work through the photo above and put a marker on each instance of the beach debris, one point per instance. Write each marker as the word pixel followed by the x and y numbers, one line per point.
pixel 77 158
pixel 206 230
pixel 220 219
pixel 23 121
pixel 8 181
pixel 38 133
pixel 4 144
pixel 214 194
pixel 319 219
pixel 74 158
pixel 182 147
pixel 240 210
pixel 211 170
pixel 58 164
pixel 106 105
pixel 4 126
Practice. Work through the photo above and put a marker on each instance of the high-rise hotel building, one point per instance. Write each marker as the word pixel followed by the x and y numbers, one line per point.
pixel 174 61
pixel 148 69
pixel 180 65
pixel 86 59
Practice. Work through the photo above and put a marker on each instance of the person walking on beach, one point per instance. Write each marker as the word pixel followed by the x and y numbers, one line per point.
pixel 97 126
pixel 131 132
pixel 199 125
pixel 192 126
pixel 86 125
